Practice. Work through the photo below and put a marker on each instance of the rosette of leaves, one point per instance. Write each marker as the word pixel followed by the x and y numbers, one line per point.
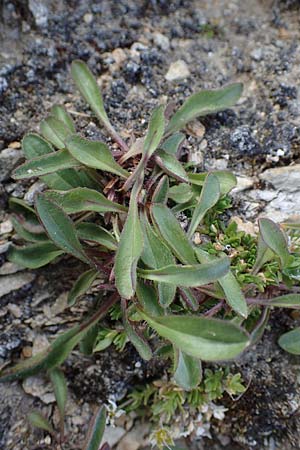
pixel 117 209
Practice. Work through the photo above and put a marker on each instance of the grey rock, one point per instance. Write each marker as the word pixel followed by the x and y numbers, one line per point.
pixel 113 435
pixel 161 41
pixel 38 387
pixel 9 342
pixel 242 140
pixel 283 178
pixel 3 85
pixel 243 183
pixel 40 12
pixel 9 158
pixel 9 283
pixel 177 71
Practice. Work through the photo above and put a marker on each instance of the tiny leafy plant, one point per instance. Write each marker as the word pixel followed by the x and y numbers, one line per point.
pixel 174 277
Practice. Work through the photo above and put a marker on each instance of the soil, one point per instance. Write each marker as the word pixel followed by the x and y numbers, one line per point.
pixel 130 45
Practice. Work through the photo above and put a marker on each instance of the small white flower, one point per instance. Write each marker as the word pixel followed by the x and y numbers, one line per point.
pixel 203 431
pixel 219 411
pixel 113 412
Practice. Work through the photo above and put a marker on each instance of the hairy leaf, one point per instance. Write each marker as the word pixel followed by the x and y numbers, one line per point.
pixel 156 255
pixel 187 370
pixel 210 194
pixel 139 343
pixel 60 390
pixel 89 89
pixel 181 193
pixel 59 227
pixel 36 419
pixel 172 144
pixel 227 180
pixel 95 233
pixel 290 341
pixel 55 131
pixel 82 284
pixel 83 199
pixel 203 103
pixel 96 430
pixel 160 195
pixel 169 164
pixel 189 275
pixel 173 234
pixel 60 113
pixel 26 234
pixel 200 337
pixel 275 239
pixel 45 164
pixel 35 255
pixel 147 298
pixel 129 251
pixel 94 154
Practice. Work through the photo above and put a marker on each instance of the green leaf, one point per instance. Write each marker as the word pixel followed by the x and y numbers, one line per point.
pixel 200 337
pixel 234 295
pixel 263 254
pixel 231 288
pixel 139 343
pixel 60 113
pixel 129 250
pixel 173 234
pixel 55 131
pixel 227 180
pixel 45 164
pixel 275 239
pixel 160 195
pixel 290 341
pixel 54 355
pixel 189 276
pixel 37 420
pixel 87 343
pixel 189 298
pixel 285 301
pixel 60 390
pixel 188 370
pixel 83 199
pixel 170 165
pixel 59 227
pixel 210 194
pixel 35 255
pixel 172 144
pixel 180 193
pixel 89 89
pixel 82 284
pixel 94 154
pixel 155 131
pixel 26 234
pixel 147 298
pixel 96 430
pixel 203 103
pixel 34 146
pixel 95 233
pixel 156 255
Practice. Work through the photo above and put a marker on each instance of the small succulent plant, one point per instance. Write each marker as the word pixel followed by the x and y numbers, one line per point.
pixel 119 211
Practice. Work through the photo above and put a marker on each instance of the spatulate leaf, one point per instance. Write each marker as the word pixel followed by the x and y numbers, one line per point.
pixel 203 338
pixel 59 227
pixel 187 370
pixel 94 154
pixel 275 239
pixel 203 103
pixel 35 255
pixel 83 199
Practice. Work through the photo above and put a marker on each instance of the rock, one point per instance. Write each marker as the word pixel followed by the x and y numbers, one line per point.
pixel 9 158
pixel 15 145
pixel 9 268
pixel 38 387
pixel 9 283
pixel 9 342
pixel 257 54
pixel 178 70
pixel 113 435
pixel 246 227
pixel 283 178
pixel 4 247
pixel 88 18
pixel 134 439
pixel 3 85
pixel 14 310
pixel 243 183
pixel 34 189
pixel 39 11
pixel 242 140
pixel 161 41
pixel 6 227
